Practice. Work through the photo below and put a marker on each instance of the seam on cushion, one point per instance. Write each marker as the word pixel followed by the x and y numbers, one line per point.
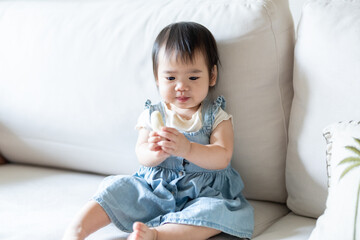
pixel 278 73
pixel 268 224
pixel 71 145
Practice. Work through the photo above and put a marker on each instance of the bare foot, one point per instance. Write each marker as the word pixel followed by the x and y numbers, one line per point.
pixel 142 232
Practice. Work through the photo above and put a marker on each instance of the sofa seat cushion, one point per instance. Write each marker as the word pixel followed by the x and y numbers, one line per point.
pixel 290 227
pixel 38 203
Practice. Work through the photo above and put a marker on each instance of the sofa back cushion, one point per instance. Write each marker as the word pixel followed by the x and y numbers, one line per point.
pixel 326 90
pixel 75 76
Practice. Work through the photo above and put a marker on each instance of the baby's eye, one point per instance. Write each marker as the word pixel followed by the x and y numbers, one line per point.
pixel 193 78
pixel 170 78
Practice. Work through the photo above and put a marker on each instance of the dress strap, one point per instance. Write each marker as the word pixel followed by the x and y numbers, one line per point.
pixel 220 102
pixel 210 109
pixel 147 104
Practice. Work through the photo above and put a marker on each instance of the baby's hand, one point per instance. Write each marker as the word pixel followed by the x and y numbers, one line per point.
pixel 154 146
pixel 174 142
pixel 153 141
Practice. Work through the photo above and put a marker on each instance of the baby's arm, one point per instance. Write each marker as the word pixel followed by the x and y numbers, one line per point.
pixel 216 155
pixel 147 150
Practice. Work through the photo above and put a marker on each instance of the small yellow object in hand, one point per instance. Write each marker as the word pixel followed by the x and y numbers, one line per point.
pixel 156 121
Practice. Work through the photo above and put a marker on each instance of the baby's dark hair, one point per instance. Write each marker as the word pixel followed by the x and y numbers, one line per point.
pixel 184 39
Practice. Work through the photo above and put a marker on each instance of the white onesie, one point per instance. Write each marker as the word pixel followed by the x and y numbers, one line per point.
pixel 173 120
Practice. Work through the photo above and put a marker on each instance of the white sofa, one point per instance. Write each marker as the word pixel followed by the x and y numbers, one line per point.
pixel 74 76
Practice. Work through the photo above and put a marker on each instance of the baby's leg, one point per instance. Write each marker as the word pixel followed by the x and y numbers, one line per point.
pixel 171 231
pixel 91 218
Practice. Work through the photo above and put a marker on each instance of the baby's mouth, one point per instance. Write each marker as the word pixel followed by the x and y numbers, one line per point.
pixel 182 99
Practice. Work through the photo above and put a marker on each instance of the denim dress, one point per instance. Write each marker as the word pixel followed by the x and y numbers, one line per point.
pixel 178 191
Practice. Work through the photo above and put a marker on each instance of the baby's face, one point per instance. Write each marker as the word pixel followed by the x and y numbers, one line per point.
pixel 184 85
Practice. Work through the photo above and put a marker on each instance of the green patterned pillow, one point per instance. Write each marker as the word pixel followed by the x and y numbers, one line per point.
pixel 341 219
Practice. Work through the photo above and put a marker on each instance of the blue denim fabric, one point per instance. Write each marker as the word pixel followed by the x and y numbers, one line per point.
pixel 178 191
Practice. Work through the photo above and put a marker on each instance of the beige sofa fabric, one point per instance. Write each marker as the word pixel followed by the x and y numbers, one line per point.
pixel 84 73
pixel 290 227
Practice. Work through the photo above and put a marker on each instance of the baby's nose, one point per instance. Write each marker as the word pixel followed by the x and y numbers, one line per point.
pixel 181 86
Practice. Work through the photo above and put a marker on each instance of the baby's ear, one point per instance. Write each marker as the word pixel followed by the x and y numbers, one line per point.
pixel 213 76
